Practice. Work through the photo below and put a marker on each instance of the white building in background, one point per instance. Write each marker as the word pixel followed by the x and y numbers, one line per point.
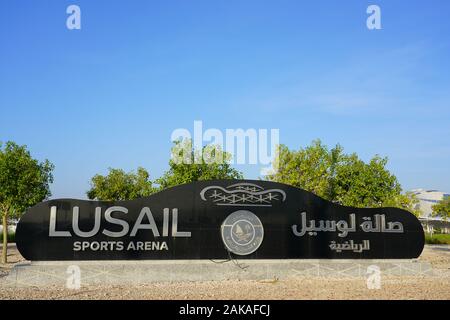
pixel 427 199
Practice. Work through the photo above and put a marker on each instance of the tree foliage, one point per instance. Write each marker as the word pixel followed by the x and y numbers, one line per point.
pixel 120 185
pixel 341 178
pixel 189 165
pixel 442 208
pixel 24 182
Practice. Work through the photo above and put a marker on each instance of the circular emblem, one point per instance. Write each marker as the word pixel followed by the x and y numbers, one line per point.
pixel 242 232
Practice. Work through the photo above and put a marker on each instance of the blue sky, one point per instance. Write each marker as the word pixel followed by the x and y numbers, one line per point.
pixel 110 94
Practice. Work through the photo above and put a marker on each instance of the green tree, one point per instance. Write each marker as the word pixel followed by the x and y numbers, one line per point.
pixel 24 181
pixel 442 208
pixel 119 185
pixel 189 165
pixel 312 168
pixel 341 178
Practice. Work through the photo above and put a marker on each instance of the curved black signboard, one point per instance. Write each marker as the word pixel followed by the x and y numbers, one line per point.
pixel 210 219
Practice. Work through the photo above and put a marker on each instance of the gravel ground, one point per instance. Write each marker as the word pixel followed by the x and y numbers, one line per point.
pixel 435 287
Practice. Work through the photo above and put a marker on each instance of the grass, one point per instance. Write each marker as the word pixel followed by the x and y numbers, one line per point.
pixel 11 237
pixel 437 238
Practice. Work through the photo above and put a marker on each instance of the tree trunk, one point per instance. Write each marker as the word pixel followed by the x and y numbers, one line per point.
pixel 5 238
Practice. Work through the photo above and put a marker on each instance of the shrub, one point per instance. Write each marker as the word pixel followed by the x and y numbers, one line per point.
pixel 11 237
pixel 437 238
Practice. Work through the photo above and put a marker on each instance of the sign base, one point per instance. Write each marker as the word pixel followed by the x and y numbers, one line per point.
pixel 60 273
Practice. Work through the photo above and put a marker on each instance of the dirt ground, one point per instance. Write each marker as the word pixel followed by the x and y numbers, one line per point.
pixel 419 287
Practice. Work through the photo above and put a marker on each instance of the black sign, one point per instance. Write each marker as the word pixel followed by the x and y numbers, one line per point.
pixel 210 220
